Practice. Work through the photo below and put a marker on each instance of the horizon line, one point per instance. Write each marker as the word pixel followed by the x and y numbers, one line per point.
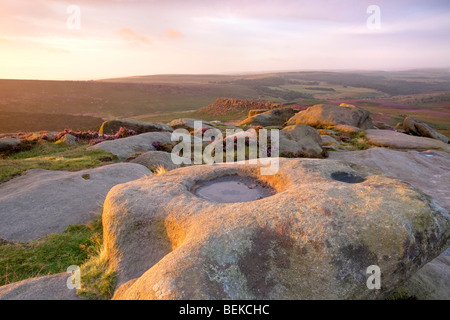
pixel 244 73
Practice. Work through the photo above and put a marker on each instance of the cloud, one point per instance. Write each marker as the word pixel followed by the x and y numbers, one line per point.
pixel 173 34
pixel 131 36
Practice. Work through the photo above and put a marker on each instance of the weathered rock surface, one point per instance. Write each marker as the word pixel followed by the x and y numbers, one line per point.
pixel 301 139
pixel 329 141
pixel 43 202
pixel 396 140
pixel 126 147
pixel 331 115
pixel 427 171
pixel 276 117
pixel 68 139
pixel 188 123
pixel 113 126
pixel 153 159
pixel 254 112
pixel 432 282
pixel 415 127
pixel 7 144
pixel 52 287
pixel 346 128
pixel 313 239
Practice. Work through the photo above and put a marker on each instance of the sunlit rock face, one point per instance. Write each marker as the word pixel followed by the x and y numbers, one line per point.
pixel 331 115
pixel 313 237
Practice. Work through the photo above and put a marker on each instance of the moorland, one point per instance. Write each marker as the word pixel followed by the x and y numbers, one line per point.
pixel 34 105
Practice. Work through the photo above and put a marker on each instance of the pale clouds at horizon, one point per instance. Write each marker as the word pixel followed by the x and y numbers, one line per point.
pixel 137 37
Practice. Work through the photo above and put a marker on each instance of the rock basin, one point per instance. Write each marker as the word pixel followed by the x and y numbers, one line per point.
pixel 233 188
pixel 347 177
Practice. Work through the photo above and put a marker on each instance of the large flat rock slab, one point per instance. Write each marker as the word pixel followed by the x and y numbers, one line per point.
pixel 397 140
pixel 315 238
pixel 126 147
pixel 52 287
pixel 427 171
pixel 43 201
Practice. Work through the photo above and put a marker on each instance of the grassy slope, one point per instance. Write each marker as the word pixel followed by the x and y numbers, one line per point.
pixel 49 255
pixel 51 156
pixel 110 99
pixel 13 122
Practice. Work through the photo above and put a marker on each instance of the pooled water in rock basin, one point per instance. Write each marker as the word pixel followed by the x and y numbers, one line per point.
pixel 233 188
pixel 428 153
pixel 347 177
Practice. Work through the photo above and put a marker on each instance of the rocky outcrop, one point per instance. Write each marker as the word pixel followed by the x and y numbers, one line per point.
pixel 113 126
pixel 314 239
pixel 126 147
pixel 330 115
pixel 276 117
pixel 224 106
pixel 43 202
pixel 254 112
pixel 68 139
pixel 396 140
pixel 300 141
pixel 419 128
pixel 329 141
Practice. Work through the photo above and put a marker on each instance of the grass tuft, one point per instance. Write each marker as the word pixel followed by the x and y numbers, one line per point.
pixel 97 278
pixel 49 255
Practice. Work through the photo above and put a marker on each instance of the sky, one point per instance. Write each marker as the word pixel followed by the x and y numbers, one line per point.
pixel 98 39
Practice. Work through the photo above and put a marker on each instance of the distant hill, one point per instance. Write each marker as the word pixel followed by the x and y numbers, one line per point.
pixel 233 108
pixel 162 98
pixel 13 122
